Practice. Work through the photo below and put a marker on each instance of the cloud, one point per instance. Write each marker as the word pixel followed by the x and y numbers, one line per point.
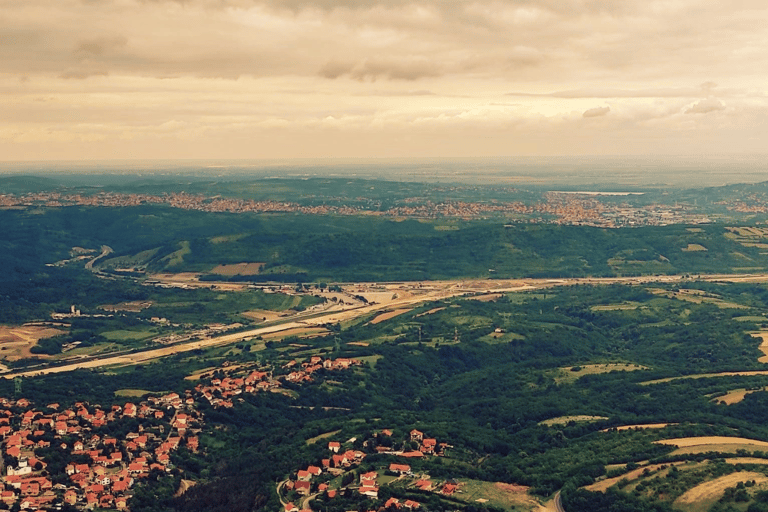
pixel 81 74
pixel 99 46
pixel 706 106
pixel 596 112
pixel 372 69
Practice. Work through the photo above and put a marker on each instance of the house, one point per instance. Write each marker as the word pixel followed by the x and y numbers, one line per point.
pixel 368 479
pixel 370 491
pixel 400 469
pixel 302 488
pixel 416 435
pixel 70 497
pixel 334 446
pixel 428 445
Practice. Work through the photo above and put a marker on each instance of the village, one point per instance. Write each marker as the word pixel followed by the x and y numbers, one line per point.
pixel 102 468
pixel 341 473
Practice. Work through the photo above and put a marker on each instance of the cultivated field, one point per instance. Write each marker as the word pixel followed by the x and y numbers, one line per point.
pixel 706 494
pixel 763 345
pixel 735 396
pixel 689 445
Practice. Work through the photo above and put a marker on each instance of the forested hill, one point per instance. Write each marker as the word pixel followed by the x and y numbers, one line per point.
pixel 295 247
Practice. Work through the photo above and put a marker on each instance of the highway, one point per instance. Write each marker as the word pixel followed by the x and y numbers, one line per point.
pixel 404 294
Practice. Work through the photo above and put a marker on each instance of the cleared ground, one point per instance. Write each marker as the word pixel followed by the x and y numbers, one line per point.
pixel 498 494
pixel 235 269
pixel 564 420
pixel 15 341
pixel 389 314
pixel 570 374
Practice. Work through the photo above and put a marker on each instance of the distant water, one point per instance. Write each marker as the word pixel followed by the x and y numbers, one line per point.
pixel 599 173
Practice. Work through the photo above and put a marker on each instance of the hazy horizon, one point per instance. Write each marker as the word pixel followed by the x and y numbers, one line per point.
pixel 605 171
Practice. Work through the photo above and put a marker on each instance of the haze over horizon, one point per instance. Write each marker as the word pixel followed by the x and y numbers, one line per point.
pixel 277 79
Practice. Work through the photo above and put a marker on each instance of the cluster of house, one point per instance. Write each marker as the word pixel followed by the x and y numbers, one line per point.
pixel 315 363
pixel 341 461
pixel 219 392
pixel 103 468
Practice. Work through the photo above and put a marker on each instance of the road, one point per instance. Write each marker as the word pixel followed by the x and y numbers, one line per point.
pixel 409 294
pixel 105 250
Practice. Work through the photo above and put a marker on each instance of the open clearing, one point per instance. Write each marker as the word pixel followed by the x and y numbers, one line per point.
pixel 564 420
pixel 238 269
pixel 709 492
pixel 498 494
pixel 487 297
pixel 624 306
pixel 315 439
pixel 133 392
pixel 261 315
pixel 430 312
pixel 694 248
pixel 568 374
pixel 300 332
pixel 15 342
pixel 389 314
pixel 132 307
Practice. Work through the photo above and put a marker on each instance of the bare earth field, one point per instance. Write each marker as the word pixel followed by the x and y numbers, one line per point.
pixel 133 307
pixel 389 314
pixel 15 341
pixel 301 332
pixel 235 269
pixel 261 315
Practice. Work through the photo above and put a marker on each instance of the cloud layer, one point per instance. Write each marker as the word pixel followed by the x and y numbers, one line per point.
pixel 319 78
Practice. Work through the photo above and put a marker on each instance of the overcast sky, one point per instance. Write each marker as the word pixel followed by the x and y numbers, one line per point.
pixel 114 79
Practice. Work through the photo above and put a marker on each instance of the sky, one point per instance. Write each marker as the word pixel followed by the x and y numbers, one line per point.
pixel 261 79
